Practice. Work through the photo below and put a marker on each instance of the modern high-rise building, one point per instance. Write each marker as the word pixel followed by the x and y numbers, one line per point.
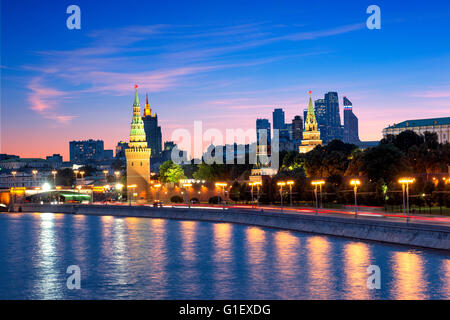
pixel 152 130
pixel 263 129
pixel 87 151
pixel 328 117
pixel 350 123
pixel 297 128
pixel 120 150
pixel 278 119
pixel 138 156
pixel 311 134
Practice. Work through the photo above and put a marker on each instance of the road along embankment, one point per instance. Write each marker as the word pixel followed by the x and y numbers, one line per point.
pixel 413 234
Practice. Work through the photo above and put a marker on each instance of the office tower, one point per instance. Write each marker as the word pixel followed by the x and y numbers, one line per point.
pixel 350 123
pixel 297 128
pixel 278 119
pixel 138 156
pixel 152 131
pixel 263 128
pixel 328 117
pixel 311 134
pixel 87 151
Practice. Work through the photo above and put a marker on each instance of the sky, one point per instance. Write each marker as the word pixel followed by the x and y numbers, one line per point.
pixel 225 63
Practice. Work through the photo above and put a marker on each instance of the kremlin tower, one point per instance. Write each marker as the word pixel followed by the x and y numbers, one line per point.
pixel 138 155
pixel 311 136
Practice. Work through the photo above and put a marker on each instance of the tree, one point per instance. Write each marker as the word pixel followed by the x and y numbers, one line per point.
pixel 171 172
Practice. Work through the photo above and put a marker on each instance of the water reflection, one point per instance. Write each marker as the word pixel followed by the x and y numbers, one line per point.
pixel 256 259
pixel 319 268
pixel 137 258
pixel 223 258
pixel 46 285
pixel 287 248
pixel 409 281
pixel 356 261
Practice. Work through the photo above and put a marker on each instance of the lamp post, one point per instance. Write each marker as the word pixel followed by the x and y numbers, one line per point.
pixel 281 184
pixel 117 174
pixel 34 172
pixel 258 185
pixel 14 177
pixel 355 183
pixel 406 181
pixel 105 172
pixel 119 187
pixel 316 183
pixel 222 185
pixel 157 186
pixel 290 183
pixel 54 172
pixel 251 185
pixel 188 186
pixel 82 176
pixel 133 187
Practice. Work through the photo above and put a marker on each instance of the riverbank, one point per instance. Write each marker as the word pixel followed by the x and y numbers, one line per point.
pixel 412 234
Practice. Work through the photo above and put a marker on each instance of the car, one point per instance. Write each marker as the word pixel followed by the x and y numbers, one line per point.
pixel 157 203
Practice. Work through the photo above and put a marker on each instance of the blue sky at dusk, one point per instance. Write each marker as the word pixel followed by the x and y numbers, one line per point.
pixel 223 62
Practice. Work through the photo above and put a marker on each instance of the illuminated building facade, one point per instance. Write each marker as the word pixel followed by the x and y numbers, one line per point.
pixel 138 155
pixel 152 131
pixel 311 135
pixel 440 126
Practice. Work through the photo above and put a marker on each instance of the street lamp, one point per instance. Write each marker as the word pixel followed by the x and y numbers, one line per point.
pixel 316 183
pixel 34 172
pixel 188 186
pixel 105 172
pixel 222 185
pixel 82 176
pixel 117 174
pixel 157 186
pixel 355 183
pixel 406 181
pixel 133 186
pixel 281 184
pixel 14 177
pixel 54 172
pixel 290 183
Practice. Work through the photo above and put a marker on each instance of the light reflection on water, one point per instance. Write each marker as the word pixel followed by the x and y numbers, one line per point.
pixel 125 258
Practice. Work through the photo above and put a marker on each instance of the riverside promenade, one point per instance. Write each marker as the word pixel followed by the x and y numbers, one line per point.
pixel 397 231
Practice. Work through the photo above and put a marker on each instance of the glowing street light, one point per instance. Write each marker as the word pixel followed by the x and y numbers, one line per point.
pixel 46 187
pixel 117 174
pixel 188 186
pixel 14 177
pixel 319 183
pixel 132 186
pixel 355 183
pixel 290 183
pixel 34 172
pixel 82 176
pixel 157 186
pixel 258 185
pixel 281 184
pixel 406 181
pixel 222 185
pixel 105 172
pixel 54 172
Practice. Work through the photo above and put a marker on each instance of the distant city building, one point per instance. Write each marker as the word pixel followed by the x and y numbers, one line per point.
pixel 297 128
pixel 278 119
pixel 263 134
pixel 152 131
pixel 350 123
pixel 120 150
pixel 87 151
pixel 25 163
pixel 23 179
pixel 4 156
pixel 55 160
pixel 311 134
pixel 440 126
pixel 108 154
pixel 138 156
pixel 328 117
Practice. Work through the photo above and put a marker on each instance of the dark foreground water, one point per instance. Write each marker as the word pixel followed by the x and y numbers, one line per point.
pixel 137 258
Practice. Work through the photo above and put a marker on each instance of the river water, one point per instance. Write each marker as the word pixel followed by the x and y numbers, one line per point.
pixel 140 258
